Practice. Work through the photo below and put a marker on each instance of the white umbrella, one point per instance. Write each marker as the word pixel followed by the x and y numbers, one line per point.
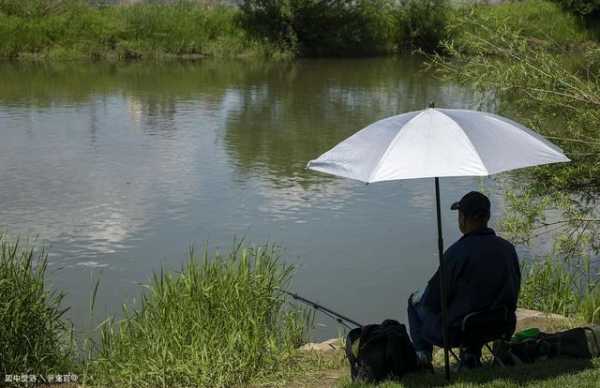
pixel 435 143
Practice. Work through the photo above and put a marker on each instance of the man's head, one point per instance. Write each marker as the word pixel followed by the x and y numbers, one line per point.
pixel 473 211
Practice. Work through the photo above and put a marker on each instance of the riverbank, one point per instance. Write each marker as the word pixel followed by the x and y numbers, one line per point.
pixel 576 373
pixel 74 30
pixel 59 30
pixel 220 321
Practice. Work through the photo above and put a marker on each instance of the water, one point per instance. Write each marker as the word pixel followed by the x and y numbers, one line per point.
pixel 119 169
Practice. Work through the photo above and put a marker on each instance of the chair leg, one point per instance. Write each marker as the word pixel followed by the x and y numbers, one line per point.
pixel 496 358
pixel 454 355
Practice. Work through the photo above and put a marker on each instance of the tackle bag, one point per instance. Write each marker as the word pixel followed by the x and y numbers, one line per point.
pixel 379 352
pixel 581 342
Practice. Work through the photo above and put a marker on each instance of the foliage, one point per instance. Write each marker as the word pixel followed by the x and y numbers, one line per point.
pixel 424 23
pixel 566 281
pixel 34 338
pixel 548 286
pixel 220 322
pixel 527 19
pixel 37 8
pixel 74 30
pixel 582 7
pixel 316 26
pixel 550 82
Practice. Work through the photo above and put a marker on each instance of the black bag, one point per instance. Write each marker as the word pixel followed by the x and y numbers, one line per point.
pixel 380 352
pixel 581 342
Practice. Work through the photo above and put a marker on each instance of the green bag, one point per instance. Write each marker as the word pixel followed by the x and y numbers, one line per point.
pixel 531 345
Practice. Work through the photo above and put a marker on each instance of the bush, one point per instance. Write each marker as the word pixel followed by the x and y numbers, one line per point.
pixel 37 8
pixel 527 19
pixel 424 23
pixel 582 7
pixel 220 322
pixel 324 27
pixel 34 338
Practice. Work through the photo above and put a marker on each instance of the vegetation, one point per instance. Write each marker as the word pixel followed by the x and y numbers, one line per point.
pixel 527 19
pixel 220 322
pixel 544 374
pixel 348 27
pixel 34 338
pixel 324 27
pixel 547 76
pixel 424 24
pixel 74 29
pixel 582 7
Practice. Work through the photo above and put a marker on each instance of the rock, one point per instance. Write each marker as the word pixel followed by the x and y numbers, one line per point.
pixel 543 321
pixel 330 345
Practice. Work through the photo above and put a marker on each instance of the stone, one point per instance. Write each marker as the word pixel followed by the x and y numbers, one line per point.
pixel 330 345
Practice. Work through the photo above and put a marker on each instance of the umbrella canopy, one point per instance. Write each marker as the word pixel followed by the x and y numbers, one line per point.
pixel 437 143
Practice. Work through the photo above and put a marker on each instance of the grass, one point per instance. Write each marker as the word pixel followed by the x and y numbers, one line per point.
pixel 542 22
pixel 219 322
pixel 34 337
pixel 544 374
pixel 78 31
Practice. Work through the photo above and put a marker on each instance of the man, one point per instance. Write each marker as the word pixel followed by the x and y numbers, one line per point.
pixel 482 272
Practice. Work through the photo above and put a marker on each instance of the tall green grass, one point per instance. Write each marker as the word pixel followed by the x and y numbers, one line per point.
pixel 75 30
pixel 34 337
pixel 541 22
pixel 569 288
pixel 219 322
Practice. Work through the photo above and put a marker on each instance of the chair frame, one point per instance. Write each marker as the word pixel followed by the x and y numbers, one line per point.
pixel 506 336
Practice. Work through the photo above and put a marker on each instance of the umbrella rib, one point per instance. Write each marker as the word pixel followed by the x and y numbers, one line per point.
pixel 389 147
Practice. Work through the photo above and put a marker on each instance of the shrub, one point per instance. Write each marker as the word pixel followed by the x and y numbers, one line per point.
pixel 220 322
pixel 34 338
pixel 37 8
pixel 526 19
pixel 582 7
pixel 324 27
pixel 424 23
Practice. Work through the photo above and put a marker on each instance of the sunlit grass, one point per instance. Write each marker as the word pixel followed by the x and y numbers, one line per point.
pixel 34 338
pixel 221 321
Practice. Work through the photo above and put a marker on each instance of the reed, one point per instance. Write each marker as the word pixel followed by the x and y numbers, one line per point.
pixel 219 322
pixel 34 337
pixel 68 30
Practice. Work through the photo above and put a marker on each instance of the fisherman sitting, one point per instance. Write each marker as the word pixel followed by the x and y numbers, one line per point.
pixel 482 272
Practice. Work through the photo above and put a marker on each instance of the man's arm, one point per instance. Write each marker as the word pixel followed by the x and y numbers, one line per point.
pixel 431 297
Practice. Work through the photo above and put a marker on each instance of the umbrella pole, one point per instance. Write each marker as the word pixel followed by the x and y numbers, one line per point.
pixel 442 280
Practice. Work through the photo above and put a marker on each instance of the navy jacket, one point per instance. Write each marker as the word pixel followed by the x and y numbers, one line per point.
pixel 482 272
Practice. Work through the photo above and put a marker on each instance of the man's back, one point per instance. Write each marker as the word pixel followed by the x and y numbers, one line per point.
pixel 482 272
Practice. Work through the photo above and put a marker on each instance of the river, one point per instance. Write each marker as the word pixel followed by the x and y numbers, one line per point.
pixel 119 168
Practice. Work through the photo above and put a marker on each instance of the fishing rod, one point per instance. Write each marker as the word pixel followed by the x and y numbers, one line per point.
pixel 339 318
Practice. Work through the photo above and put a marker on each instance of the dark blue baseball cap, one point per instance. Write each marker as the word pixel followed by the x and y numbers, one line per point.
pixel 473 204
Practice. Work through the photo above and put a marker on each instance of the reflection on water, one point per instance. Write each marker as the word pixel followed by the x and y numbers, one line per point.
pixel 120 168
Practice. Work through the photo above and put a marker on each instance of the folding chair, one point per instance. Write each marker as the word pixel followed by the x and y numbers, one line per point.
pixel 480 328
